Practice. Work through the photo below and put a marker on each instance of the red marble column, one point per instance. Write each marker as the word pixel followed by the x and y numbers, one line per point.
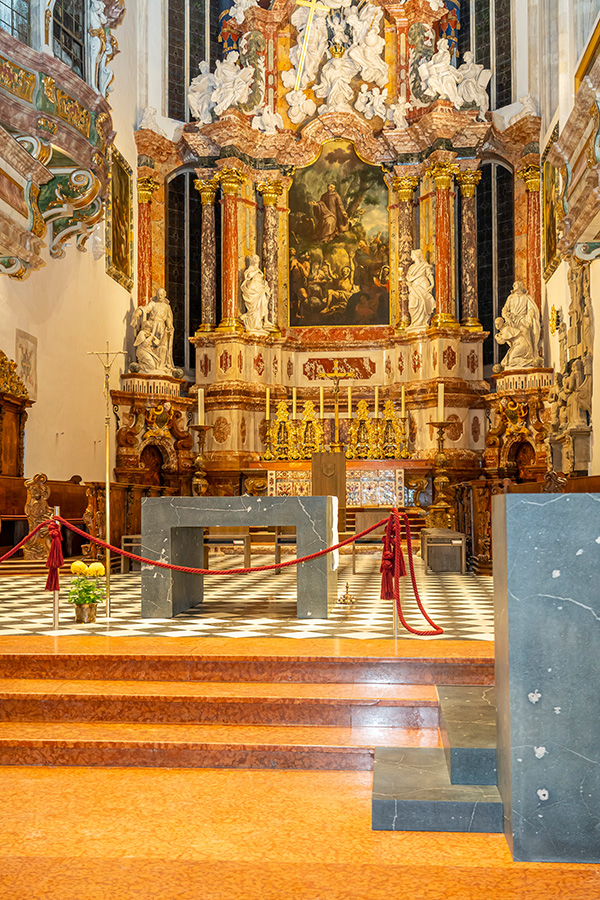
pixel 405 188
pixel 531 176
pixel 270 191
pixel 468 181
pixel 146 187
pixel 230 180
pixel 442 173
pixel 207 189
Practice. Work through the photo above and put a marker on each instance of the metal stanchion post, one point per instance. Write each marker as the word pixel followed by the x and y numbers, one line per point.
pixel 56 610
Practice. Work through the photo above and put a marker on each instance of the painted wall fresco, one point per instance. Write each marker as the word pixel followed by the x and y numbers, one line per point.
pixel 339 241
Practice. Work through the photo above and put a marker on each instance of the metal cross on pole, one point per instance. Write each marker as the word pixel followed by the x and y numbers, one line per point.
pixel 313 6
pixel 107 362
pixel 336 376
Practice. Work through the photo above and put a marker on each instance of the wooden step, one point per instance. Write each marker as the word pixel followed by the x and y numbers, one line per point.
pixel 200 746
pixel 338 705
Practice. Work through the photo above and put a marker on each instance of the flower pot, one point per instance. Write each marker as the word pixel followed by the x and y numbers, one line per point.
pixel 85 612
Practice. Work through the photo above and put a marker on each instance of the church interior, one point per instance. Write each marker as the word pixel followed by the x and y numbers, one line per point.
pixel 306 280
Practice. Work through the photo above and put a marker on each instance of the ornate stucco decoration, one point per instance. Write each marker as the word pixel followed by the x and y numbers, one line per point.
pixel 10 382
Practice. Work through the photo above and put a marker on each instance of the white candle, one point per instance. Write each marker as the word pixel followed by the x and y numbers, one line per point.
pixel 268 402
pixel 201 420
pixel 440 409
pixel 376 402
pixel 321 403
pixel 403 401
pixel 349 402
pixel 293 403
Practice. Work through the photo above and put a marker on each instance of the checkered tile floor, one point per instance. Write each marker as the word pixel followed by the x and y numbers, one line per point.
pixel 265 606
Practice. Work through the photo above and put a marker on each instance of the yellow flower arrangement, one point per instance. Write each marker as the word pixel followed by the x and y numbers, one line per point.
pixel 79 568
pixel 85 588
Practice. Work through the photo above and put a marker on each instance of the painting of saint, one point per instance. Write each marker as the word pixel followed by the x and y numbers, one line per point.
pixel 339 241
pixel 119 257
pixel 550 211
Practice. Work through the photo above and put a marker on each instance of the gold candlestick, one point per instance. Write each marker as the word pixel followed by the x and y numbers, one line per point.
pixel 200 481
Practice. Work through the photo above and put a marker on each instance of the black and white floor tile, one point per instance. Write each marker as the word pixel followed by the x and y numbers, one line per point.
pixel 265 606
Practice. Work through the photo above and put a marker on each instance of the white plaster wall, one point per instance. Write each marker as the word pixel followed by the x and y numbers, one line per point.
pixel 72 306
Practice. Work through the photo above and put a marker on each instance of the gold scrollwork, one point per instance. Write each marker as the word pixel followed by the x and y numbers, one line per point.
pixel 10 383
pixel 295 439
pixel 17 81
pixel 364 437
pixel 73 112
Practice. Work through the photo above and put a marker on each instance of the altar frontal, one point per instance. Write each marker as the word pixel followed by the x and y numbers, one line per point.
pixel 173 531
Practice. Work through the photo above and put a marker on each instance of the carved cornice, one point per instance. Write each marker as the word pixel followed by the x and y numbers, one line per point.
pixel 468 181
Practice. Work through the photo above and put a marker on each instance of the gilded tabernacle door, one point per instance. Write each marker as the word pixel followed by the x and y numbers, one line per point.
pixel 339 264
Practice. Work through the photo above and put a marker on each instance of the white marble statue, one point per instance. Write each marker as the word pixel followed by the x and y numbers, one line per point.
pixel 436 5
pixel 520 327
pixel 367 52
pixel 371 103
pixel 315 48
pixel 232 83
pixel 439 77
pixel 267 121
pixel 238 9
pixel 528 109
pixel 334 86
pixel 363 101
pixel 300 106
pixel 154 336
pixel 420 281
pixel 397 113
pixel 256 294
pixel 577 387
pixel 472 88
pixel 149 121
pixel 200 95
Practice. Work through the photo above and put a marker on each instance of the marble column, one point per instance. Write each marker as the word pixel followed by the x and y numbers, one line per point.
pixel 230 180
pixel 468 182
pixel 405 188
pixel 531 176
pixel 146 187
pixel 270 191
pixel 207 188
pixel 442 173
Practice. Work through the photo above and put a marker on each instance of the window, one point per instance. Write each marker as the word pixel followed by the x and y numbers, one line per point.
pixel 190 42
pixel 495 251
pixel 69 34
pixel 183 269
pixel 14 18
pixel 485 28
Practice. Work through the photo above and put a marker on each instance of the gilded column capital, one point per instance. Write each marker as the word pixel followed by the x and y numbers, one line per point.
pixel 146 187
pixel 207 188
pixel 531 176
pixel 441 173
pixel 468 181
pixel 270 191
pixel 405 186
pixel 231 180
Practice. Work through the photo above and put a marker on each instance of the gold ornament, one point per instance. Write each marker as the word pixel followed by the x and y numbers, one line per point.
pixel 405 186
pixel 468 181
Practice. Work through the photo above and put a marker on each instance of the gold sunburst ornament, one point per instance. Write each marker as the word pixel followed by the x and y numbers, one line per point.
pixel 553 320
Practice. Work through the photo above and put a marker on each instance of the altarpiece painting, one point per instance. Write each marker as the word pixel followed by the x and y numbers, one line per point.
pixel 119 221
pixel 339 241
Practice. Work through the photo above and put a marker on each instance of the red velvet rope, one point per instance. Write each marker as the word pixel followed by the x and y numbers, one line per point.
pixel 392 565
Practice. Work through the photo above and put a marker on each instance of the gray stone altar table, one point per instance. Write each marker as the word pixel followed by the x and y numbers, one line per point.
pixel 173 531
pixel 547 610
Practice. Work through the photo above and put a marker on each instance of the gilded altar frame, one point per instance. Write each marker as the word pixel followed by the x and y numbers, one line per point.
pixel 550 210
pixel 119 220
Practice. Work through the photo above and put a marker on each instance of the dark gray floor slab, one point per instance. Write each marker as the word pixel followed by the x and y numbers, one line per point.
pixel 412 792
pixel 468 729
pixel 547 599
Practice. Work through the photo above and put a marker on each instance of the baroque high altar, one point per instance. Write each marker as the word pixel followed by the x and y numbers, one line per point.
pixel 337 148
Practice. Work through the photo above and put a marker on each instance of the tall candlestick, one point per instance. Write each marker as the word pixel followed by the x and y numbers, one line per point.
pixel 294 403
pixel 376 402
pixel 349 402
pixel 201 420
pixel 268 401
pixel 440 409
pixel 321 403
pixel 403 402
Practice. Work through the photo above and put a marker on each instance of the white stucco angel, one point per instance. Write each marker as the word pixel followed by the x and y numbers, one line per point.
pixel 315 48
pixel 439 77
pixel 238 9
pixel 232 83
pixel 528 109
pixel 149 122
pixel 420 281
pixel 300 106
pixel 267 121
pixel 519 327
pixel 397 113
pixel 256 294
pixel 472 88
pixel 363 101
pixel 367 51
pixel 200 94
pixel 335 86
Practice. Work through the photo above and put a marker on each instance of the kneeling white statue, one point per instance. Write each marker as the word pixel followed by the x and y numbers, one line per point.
pixel 154 337
pixel 256 295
